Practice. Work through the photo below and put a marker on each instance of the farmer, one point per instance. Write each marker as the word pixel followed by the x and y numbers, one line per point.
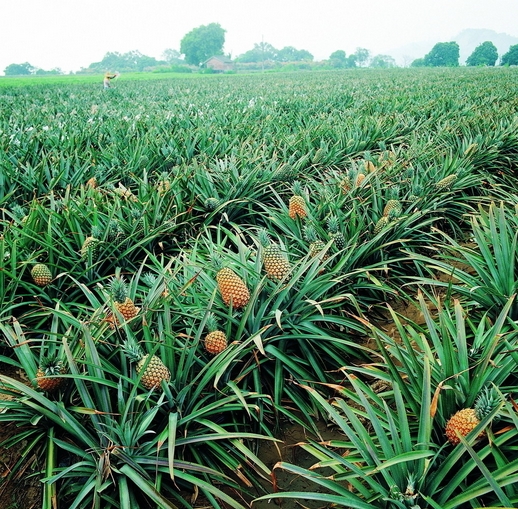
pixel 107 77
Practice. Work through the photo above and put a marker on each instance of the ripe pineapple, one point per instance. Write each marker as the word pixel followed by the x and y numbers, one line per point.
pixel 335 233
pixel 446 182
pixel 275 262
pixel 152 368
pixel 41 274
pixel 232 288
pixel 51 367
pixel 466 420
pixel 359 179
pixel 297 204
pixel 163 184
pixel 91 244
pixel 123 303
pixel 215 341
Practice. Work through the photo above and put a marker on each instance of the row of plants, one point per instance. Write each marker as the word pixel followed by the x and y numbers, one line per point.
pixel 188 267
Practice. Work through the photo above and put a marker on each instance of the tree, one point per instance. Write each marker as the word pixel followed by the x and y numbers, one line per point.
pixel 484 54
pixel 362 56
pixel 337 59
pixel 511 57
pixel 382 62
pixel 261 52
pixel 291 54
pixel 172 56
pixel 202 43
pixel 19 69
pixel 418 62
pixel 443 54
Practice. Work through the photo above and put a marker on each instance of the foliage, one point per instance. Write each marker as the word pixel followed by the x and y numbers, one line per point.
pixel 443 54
pixel 382 62
pixel 484 54
pixel 511 57
pixel 130 61
pixel 203 42
pixel 19 69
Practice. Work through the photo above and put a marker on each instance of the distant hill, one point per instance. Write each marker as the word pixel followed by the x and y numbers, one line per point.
pixel 467 40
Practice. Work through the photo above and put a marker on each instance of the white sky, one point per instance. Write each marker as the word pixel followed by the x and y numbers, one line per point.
pixel 71 34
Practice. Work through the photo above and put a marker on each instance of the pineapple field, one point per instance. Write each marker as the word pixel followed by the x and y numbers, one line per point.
pixel 190 268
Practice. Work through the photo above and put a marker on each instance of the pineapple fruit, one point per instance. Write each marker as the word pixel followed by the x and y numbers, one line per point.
pixel 315 244
pixel 41 274
pixel 153 370
pixel 275 262
pixel 216 340
pixel 233 289
pixel 382 223
pixel 124 305
pixel 91 244
pixel 335 233
pixel 466 420
pixel 48 376
pixel 297 203
pixel 446 182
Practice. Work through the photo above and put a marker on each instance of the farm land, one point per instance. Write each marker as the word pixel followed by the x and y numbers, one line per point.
pixel 232 291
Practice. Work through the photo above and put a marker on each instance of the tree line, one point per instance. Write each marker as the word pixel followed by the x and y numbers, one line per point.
pixel 206 41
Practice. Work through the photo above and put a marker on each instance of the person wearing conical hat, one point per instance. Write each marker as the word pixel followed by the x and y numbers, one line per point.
pixel 107 78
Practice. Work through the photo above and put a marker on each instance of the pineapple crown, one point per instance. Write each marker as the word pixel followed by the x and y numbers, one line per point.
pixel 297 188
pixel 51 365
pixel 212 322
pixel 149 279
pixel 488 400
pixel 96 232
pixel 132 350
pixel 264 238
pixel 332 224
pixel 310 234
pixel 118 289
pixel 393 192
pixel 18 211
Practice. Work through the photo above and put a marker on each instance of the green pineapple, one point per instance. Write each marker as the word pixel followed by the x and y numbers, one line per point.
pixel 211 203
pixel 115 231
pixel 381 224
pixel 151 368
pixel 315 244
pixel 275 261
pixel 91 244
pixel 335 233
pixel 446 183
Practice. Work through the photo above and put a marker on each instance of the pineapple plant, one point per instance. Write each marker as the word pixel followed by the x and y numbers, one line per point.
pixel 91 244
pixel 446 182
pixel 466 420
pixel 335 233
pixel 275 261
pixel 297 203
pixel 124 305
pixel 41 274
pixel 232 288
pixel 48 374
pixel 150 367
pixel 216 340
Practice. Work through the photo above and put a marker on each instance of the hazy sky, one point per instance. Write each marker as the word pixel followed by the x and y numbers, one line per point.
pixel 71 34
